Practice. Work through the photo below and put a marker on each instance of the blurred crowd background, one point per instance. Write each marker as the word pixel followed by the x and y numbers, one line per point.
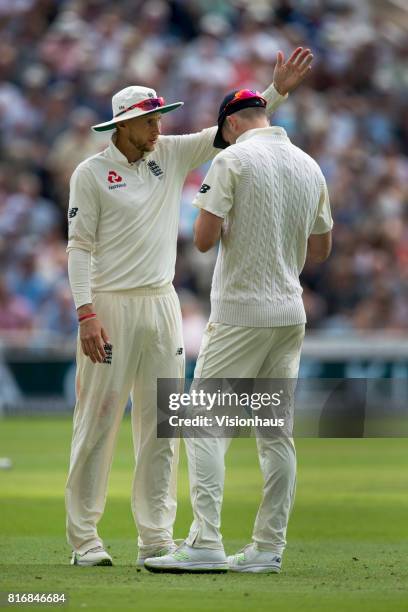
pixel 60 62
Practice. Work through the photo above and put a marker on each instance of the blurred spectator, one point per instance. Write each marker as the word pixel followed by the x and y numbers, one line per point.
pixel 73 146
pixel 60 62
pixel 30 214
pixel 58 314
pixel 26 281
pixel 15 313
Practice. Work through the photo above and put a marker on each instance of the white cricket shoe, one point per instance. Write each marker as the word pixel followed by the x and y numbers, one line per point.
pixel 189 559
pixel 250 559
pixel 160 552
pixel 93 556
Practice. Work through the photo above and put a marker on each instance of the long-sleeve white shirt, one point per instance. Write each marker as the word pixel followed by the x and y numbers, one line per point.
pixel 126 215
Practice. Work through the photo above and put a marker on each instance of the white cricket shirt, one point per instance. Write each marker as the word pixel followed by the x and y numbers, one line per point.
pixel 272 196
pixel 126 214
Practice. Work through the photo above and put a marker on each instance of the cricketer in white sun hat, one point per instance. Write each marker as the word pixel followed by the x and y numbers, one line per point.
pixel 135 101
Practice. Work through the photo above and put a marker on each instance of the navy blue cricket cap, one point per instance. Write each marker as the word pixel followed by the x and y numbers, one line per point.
pixel 232 103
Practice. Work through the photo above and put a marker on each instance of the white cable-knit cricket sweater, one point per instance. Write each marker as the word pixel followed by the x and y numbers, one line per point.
pixel 272 196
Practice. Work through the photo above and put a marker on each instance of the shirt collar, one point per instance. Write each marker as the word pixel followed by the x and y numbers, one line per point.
pixel 114 153
pixel 275 132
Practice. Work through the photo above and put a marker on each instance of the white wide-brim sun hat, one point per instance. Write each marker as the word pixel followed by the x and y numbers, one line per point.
pixel 125 106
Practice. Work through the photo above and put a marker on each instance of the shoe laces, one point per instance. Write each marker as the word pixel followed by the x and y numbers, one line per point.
pixel 172 548
pixel 245 548
pixel 95 549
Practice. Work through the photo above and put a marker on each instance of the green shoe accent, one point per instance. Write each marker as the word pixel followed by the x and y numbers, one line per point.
pixel 181 556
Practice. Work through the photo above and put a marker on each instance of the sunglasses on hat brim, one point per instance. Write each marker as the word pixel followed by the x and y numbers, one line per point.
pixel 145 105
pixel 150 105
pixel 245 94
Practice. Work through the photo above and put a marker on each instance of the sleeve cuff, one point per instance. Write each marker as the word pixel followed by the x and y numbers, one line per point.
pixel 78 244
pixel 213 212
pixel 322 231
pixel 273 98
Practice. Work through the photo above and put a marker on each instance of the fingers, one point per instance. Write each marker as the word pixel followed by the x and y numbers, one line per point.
pixel 305 71
pixel 279 59
pixel 90 349
pixel 87 350
pixel 100 349
pixel 294 55
pixel 93 347
pixel 305 67
pixel 305 64
pixel 301 58
pixel 105 337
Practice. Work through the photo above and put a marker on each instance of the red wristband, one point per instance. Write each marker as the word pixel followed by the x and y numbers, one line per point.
pixel 91 315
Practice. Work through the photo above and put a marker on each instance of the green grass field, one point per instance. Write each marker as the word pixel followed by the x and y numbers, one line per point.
pixel 348 535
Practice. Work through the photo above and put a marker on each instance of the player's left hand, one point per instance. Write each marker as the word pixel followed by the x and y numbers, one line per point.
pixel 288 75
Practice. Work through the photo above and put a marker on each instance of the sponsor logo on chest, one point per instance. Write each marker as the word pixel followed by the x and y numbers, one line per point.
pixel 115 180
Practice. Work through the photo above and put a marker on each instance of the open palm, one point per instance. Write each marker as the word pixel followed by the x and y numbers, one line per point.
pixel 287 75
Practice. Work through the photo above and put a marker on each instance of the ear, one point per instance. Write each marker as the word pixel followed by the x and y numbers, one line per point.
pixel 228 123
pixel 225 129
pixel 232 123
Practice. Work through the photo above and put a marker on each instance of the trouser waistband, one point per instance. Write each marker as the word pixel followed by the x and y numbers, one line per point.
pixel 142 291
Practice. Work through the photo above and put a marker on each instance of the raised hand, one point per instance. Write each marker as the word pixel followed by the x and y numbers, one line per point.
pixel 288 75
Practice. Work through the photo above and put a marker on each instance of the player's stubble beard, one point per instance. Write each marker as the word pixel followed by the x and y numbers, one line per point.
pixel 141 146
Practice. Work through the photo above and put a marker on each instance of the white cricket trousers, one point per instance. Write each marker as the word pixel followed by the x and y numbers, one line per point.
pixel 144 328
pixel 244 352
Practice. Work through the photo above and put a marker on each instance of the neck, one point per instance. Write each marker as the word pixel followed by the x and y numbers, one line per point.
pixel 127 149
pixel 254 125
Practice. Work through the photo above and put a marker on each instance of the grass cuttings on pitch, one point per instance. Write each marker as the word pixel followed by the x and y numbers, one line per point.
pixel 348 547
